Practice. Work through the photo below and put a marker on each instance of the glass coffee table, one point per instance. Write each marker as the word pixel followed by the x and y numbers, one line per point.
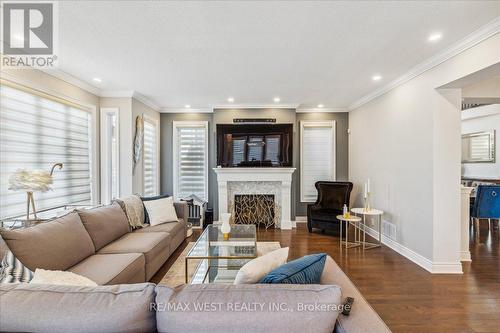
pixel 219 260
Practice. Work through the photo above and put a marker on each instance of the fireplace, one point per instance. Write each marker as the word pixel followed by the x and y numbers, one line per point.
pixel 255 181
pixel 258 209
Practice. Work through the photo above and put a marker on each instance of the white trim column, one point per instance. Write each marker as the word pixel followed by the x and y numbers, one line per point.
pixel 464 223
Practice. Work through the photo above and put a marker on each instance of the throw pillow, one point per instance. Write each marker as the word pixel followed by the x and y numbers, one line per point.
pixel 146 216
pixel 62 278
pixel 305 270
pixel 13 271
pixel 134 209
pixel 254 270
pixel 161 211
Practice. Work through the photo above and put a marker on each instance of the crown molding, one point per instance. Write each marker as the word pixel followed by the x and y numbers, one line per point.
pixel 462 45
pixel 117 93
pixel 255 106
pixel 146 101
pixel 322 110
pixel 185 110
pixel 61 75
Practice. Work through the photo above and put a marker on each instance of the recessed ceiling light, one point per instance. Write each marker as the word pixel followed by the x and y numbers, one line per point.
pixel 435 37
pixel 96 79
pixel 230 99
pixel 320 106
pixel 187 106
pixel 376 77
pixel 276 99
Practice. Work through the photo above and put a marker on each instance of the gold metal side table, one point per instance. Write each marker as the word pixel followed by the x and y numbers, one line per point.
pixel 355 222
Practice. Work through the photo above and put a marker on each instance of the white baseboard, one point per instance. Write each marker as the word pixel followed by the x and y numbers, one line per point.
pixel 428 265
pixel 465 256
pixel 301 219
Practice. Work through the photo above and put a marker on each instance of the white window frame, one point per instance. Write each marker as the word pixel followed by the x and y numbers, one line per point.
pixel 311 123
pixel 40 89
pixel 156 123
pixel 105 177
pixel 175 152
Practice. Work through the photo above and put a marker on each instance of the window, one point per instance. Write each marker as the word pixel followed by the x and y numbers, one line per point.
pixel 150 160
pixel 37 131
pixel 317 156
pixel 110 169
pixel 190 142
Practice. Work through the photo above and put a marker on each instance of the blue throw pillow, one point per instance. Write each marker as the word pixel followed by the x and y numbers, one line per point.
pixel 146 215
pixel 305 270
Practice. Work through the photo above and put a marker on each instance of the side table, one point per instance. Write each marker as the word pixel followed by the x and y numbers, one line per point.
pixel 365 213
pixel 355 221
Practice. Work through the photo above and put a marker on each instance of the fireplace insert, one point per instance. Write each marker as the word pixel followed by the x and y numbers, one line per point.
pixel 258 209
pixel 254 145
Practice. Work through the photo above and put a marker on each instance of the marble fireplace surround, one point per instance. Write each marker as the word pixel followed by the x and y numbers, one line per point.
pixel 276 181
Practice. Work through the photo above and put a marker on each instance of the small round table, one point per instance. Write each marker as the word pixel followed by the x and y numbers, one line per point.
pixel 365 213
pixel 355 221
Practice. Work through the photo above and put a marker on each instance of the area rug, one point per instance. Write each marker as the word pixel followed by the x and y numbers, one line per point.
pixel 175 275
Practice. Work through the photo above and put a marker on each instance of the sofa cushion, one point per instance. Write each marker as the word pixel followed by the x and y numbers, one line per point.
pixel 161 210
pixel 113 268
pixel 154 246
pixel 54 245
pixel 146 215
pixel 254 270
pixel 104 224
pixel 170 227
pixel 273 316
pixel 305 270
pixel 50 308
pixel 176 230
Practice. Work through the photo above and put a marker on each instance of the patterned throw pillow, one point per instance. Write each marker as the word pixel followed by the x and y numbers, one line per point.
pixel 305 270
pixel 13 271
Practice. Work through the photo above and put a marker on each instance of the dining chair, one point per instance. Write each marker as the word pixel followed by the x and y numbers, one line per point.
pixel 486 204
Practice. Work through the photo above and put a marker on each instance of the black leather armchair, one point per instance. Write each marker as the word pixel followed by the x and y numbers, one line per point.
pixel 331 199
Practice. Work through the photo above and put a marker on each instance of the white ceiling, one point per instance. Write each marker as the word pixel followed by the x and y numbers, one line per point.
pixel 200 53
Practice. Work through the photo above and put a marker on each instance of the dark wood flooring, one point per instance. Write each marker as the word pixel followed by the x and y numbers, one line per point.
pixel 407 297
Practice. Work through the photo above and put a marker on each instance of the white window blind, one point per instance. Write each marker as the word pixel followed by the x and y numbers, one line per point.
pixel 191 159
pixel 150 159
pixel 317 156
pixel 35 133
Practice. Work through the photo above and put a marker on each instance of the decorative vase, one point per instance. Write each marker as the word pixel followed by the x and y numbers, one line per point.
pixel 226 227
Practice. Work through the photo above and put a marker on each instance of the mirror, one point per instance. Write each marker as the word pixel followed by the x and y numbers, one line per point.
pixel 478 147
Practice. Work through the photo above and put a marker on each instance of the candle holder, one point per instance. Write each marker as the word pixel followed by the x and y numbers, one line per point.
pixel 367 202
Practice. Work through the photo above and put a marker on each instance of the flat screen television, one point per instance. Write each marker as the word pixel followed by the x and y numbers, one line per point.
pixel 254 145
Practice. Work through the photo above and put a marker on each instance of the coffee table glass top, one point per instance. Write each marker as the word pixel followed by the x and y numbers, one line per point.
pixel 242 243
pixel 219 260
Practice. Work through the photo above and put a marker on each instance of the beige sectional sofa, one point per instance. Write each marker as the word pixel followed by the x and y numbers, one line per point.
pixel 98 244
pixel 144 307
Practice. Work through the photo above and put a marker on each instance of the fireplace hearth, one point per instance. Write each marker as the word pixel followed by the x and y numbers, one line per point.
pixel 258 209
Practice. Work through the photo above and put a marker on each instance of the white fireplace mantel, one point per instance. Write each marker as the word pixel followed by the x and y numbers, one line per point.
pixel 282 177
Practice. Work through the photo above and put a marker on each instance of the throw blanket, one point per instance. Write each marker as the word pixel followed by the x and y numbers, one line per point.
pixel 134 209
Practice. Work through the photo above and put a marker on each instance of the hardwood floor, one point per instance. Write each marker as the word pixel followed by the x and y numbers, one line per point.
pixel 407 297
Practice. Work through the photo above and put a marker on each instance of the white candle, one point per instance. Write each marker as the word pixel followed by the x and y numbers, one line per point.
pixel 368 186
pixel 366 191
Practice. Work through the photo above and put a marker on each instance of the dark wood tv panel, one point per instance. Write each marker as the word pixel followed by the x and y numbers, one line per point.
pixel 254 145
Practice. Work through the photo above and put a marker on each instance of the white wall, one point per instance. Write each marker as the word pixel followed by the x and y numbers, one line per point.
pixel 478 124
pixel 407 142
